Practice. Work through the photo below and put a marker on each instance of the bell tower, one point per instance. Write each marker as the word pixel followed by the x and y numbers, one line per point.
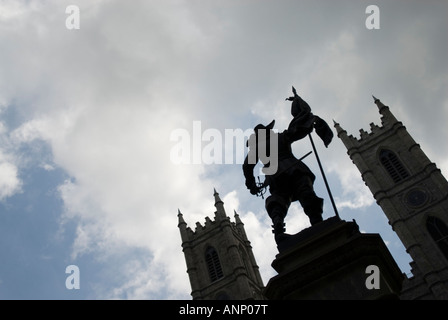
pixel 219 258
pixel 413 194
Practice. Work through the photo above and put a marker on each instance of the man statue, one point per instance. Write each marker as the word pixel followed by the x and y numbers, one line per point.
pixel 293 180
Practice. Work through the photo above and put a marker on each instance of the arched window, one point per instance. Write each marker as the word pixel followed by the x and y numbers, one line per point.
pixel 439 232
pixel 393 165
pixel 213 264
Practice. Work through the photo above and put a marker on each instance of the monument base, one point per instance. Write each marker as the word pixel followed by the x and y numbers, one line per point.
pixel 331 261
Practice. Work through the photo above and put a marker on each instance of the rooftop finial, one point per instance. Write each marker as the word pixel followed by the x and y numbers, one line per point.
pixel 219 204
pixel 338 127
pixel 216 194
pixel 181 220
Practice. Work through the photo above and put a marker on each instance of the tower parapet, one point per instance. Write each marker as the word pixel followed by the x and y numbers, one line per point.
pixel 389 124
pixel 219 257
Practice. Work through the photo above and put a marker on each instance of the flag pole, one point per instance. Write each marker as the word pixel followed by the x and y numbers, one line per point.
pixel 323 175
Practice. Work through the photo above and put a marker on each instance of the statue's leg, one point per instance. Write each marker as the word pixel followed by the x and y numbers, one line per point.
pixel 312 205
pixel 277 208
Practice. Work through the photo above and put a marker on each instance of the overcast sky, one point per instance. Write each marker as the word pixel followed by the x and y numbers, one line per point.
pixel 86 117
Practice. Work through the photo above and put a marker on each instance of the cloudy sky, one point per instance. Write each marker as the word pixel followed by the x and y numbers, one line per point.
pixel 87 116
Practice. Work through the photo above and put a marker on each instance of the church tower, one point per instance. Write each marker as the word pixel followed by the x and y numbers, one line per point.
pixel 413 194
pixel 219 258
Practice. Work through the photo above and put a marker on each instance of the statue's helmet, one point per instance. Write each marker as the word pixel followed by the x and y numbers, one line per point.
pixel 253 137
pixel 268 127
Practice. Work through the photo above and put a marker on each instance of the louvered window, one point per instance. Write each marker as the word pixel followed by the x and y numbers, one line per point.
pixel 393 166
pixel 213 264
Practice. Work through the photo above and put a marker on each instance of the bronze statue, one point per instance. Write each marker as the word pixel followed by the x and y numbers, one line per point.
pixel 292 179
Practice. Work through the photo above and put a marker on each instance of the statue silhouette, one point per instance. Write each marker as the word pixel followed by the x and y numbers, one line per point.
pixel 293 180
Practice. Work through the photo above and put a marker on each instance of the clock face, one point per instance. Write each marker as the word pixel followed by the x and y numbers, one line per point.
pixel 416 198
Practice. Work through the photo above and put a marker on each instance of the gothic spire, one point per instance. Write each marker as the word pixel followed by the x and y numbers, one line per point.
pixel 237 218
pixel 388 118
pixel 240 225
pixel 182 225
pixel 338 127
pixel 342 134
pixel 220 211
pixel 181 217
pixel 378 102
pixel 216 195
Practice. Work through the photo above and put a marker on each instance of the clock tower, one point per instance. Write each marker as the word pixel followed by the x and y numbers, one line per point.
pixel 413 194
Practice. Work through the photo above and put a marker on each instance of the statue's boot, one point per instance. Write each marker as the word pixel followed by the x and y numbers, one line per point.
pixel 314 210
pixel 278 226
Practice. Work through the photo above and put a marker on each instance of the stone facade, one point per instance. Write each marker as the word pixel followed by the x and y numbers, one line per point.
pixel 219 258
pixel 413 194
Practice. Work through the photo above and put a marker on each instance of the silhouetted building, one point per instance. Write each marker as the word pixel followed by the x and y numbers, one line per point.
pixel 219 257
pixel 413 194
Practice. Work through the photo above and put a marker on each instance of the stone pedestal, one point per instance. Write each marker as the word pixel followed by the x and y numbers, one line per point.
pixel 329 261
